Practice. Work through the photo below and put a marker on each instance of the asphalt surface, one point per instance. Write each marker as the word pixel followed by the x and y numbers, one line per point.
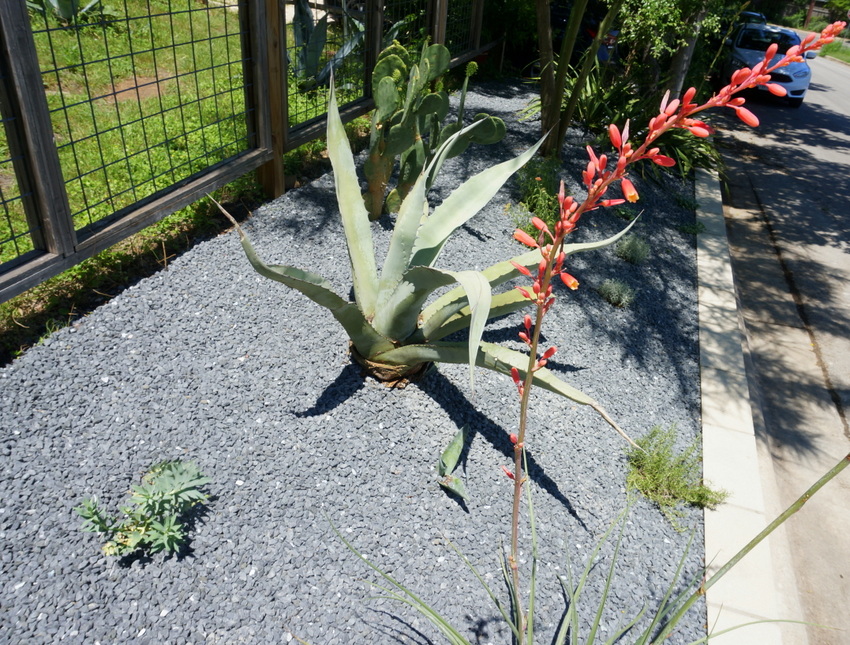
pixel 786 212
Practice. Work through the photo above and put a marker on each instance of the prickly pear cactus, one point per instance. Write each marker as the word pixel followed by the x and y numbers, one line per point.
pixel 408 120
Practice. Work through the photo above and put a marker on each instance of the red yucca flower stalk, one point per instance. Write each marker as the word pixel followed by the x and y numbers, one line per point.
pixel 599 174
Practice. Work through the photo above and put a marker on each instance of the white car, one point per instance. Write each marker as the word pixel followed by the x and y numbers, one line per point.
pixel 748 44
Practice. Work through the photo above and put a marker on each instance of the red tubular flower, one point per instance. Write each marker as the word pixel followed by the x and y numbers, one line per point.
pixel 628 189
pixel 614 134
pixel 747 117
pixel 549 353
pixel 569 280
pixel 663 160
pixel 776 90
pixel 527 323
pixel 539 224
pixel 508 472
pixel 523 270
pixel 525 293
pixel 524 238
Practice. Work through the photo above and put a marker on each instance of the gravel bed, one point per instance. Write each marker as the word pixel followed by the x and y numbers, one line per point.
pixel 207 361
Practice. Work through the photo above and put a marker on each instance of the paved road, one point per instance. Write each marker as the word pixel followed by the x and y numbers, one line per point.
pixel 788 220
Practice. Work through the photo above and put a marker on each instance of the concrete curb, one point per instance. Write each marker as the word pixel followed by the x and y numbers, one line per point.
pixel 730 454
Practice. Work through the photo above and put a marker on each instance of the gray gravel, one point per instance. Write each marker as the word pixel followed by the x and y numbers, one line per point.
pixel 210 362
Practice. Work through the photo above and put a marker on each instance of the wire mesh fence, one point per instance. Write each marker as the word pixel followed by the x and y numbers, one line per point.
pixel 458 26
pixel 16 233
pixel 323 38
pixel 142 98
pixel 116 114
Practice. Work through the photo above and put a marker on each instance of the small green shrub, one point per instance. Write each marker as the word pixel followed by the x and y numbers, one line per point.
pixel 633 249
pixel 669 479
pixel 617 293
pixel 168 491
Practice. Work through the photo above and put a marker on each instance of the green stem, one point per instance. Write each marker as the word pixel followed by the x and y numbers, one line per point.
pixel 796 506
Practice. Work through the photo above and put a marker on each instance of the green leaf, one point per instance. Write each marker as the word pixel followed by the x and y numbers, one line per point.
pixel 451 455
pixel 410 215
pixel 355 218
pixel 315 287
pixel 398 318
pixel 464 202
pixel 443 308
pixel 490 356
pixel 454 485
pixel 457 317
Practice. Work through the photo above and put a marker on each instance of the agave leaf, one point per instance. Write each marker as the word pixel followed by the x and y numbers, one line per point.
pixel 464 202
pixel 362 334
pixel 355 217
pixel 398 318
pixel 490 356
pixel 447 305
pixel 410 215
pixel 502 303
pixel 455 485
pixel 451 455
pixel 499 359
pixel 444 152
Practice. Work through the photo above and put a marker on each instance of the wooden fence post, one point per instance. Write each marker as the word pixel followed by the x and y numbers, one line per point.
pixel 270 174
pixel 37 160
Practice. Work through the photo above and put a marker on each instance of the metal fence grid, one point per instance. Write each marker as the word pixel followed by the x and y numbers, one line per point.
pixel 142 100
pixel 16 233
pixel 321 36
pixel 458 26
pixel 409 18
pixel 114 119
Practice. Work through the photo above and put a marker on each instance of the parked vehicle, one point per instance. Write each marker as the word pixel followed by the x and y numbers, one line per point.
pixel 747 45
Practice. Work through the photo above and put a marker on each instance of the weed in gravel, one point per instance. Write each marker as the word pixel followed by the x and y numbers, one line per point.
pixel 168 491
pixel 617 293
pixel 633 249
pixel 668 479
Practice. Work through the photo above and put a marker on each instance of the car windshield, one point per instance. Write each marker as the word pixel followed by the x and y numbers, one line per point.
pixel 761 39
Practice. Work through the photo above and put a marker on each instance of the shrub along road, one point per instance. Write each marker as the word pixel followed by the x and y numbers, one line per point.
pixel 786 218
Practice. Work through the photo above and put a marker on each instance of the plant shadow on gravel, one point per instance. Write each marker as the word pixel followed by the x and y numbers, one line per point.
pixel 447 394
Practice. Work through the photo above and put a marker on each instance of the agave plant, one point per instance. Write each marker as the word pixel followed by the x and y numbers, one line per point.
pixel 393 333
pixel 65 10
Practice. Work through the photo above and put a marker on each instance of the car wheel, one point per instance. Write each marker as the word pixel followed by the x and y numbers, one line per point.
pixel 795 103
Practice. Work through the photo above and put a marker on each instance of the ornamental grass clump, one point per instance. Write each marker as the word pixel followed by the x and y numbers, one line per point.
pixel 600 174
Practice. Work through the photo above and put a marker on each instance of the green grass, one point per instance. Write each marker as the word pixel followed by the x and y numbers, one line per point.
pixel 28 318
pixel 139 102
pixel 115 152
pixel 837 49
pixel 669 479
